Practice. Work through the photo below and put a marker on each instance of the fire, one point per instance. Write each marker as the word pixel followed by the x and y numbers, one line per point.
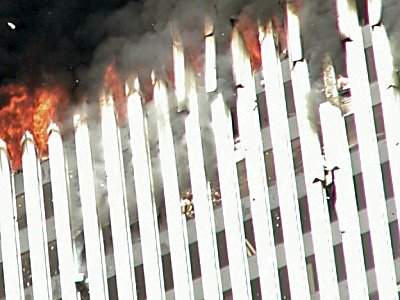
pixel 281 32
pixel 31 110
pixel 114 84
pixel 247 26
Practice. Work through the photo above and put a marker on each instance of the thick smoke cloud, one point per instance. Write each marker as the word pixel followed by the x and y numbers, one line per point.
pixel 70 42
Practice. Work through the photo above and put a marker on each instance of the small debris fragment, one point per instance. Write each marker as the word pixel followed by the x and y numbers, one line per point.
pixel 11 25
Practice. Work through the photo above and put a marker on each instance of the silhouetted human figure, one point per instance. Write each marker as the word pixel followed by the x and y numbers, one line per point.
pixel 328 184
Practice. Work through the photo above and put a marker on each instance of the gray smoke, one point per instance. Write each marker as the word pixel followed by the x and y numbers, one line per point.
pixel 390 18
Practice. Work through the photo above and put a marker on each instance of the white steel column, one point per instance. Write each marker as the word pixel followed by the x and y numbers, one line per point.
pixel 36 220
pixel 204 214
pixel 250 135
pixel 120 227
pixel 10 248
pixel 312 159
pixel 177 231
pixel 285 177
pixel 210 60
pixel 228 177
pixel 368 149
pixel 61 214
pixel 147 213
pixel 390 103
pixel 93 237
pixel 337 154
pixel 179 72
pixel 231 201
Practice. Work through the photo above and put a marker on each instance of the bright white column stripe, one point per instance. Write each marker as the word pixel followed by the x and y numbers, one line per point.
pixel 36 220
pixel 179 72
pixel 312 161
pixel 120 228
pixel 337 154
pixel 204 215
pixel 93 237
pixel 10 248
pixel 210 57
pixel 369 156
pixel 311 156
pixel 231 202
pixel 284 170
pixel 250 135
pixel 293 34
pixel 374 11
pixel 61 214
pixel 312 164
pixel 390 105
pixel 147 214
pixel 177 231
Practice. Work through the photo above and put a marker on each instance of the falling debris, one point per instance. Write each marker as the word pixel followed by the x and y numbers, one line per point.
pixel 11 25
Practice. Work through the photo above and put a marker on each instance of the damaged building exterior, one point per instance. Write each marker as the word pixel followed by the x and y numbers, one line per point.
pixel 260 224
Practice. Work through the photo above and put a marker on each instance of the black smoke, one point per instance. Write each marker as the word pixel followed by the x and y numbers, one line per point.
pixel 71 42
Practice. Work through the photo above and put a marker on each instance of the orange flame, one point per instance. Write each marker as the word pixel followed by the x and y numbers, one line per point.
pixel 248 29
pixel 114 84
pixel 196 57
pixel 281 31
pixel 29 110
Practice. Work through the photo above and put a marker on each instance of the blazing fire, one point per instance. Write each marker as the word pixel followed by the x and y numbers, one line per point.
pixel 249 31
pixel 29 110
pixel 114 84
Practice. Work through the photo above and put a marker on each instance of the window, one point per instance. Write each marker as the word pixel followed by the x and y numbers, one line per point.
pixel 242 177
pixel 284 283
pixel 351 132
pixel 387 180
pixel 167 272
pixel 48 200
pixel 270 167
pixel 2 288
pixel 339 261
pixel 255 288
pixel 277 225
pixel 235 123
pixel 367 250
pixel 297 159
pixel 369 55
pixel 195 260
pixel 262 110
pixel 360 193
pixel 140 283
pixel 312 274
pixel 378 120
pixel 394 235
pixel 304 215
pixel 222 249
pixel 290 106
pixel 21 216
pixel 249 233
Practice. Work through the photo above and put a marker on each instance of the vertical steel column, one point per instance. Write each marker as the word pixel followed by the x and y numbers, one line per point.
pixel 120 227
pixel 231 201
pixel 312 163
pixel 177 230
pixel 337 153
pixel 204 214
pixel 93 235
pixel 10 247
pixel 368 149
pixel 250 135
pixel 61 214
pixel 36 220
pixel 389 95
pixel 147 213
